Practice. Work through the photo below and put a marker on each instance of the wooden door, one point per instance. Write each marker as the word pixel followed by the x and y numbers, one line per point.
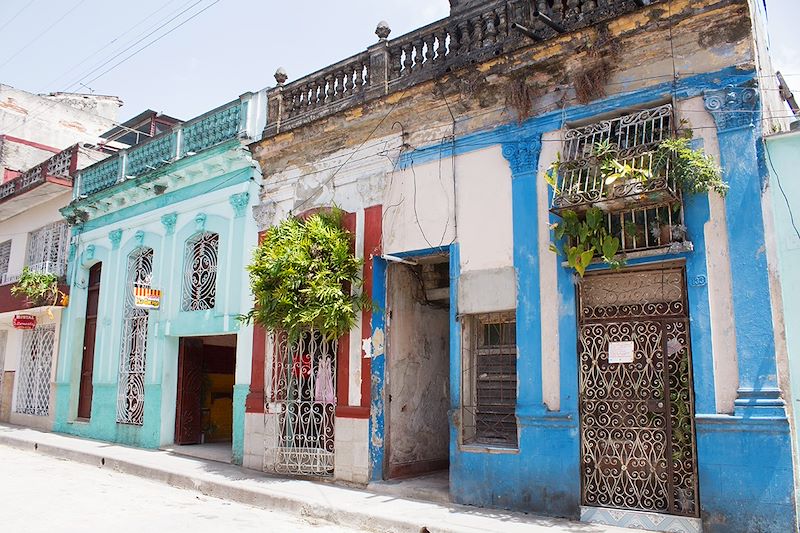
pixel 189 416
pixel 89 331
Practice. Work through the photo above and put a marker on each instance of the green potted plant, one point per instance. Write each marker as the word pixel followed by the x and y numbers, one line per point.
pixel 613 170
pixel 581 241
pixel 40 288
pixel 692 169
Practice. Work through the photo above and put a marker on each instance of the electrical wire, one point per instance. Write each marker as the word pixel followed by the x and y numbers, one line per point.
pixel 42 33
pixel 15 15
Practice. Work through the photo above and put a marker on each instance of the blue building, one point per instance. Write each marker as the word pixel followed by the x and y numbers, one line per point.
pixel 644 396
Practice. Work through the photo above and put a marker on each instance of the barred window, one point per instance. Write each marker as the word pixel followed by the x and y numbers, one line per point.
pixel 47 249
pixel 489 380
pixel 130 397
pixel 5 255
pixel 200 272
pixel 33 389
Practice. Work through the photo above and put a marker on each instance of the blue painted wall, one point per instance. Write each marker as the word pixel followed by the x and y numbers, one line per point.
pixel 744 460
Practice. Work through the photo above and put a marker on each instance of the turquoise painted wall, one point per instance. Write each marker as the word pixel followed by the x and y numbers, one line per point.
pixel 783 162
pixel 218 202
pixel 744 459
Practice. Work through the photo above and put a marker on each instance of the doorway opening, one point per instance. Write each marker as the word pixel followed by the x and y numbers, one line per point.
pixel 418 375
pixel 89 331
pixel 204 406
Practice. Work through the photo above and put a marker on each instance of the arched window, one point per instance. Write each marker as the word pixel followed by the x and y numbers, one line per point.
pixel 130 397
pixel 200 272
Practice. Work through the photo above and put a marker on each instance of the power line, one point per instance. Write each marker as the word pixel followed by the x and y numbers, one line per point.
pixel 18 13
pixel 112 41
pixel 42 33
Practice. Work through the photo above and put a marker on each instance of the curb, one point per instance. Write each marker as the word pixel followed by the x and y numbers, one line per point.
pixel 226 491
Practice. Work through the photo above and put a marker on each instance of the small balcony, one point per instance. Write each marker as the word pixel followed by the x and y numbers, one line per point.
pixel 46 267
pixel 614 165
pixel 236 120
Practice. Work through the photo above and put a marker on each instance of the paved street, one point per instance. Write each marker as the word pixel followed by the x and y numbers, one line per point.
pixel 44 494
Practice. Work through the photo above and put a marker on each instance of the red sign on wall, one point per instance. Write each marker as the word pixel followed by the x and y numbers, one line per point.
pixel 24 321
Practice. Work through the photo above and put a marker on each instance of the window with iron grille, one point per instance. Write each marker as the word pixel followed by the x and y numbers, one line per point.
pixel 5 255
pixel 489 380
pixel 200 272
pixel 47 249
pixel 33 387
pixel 130 394
pixel 643 214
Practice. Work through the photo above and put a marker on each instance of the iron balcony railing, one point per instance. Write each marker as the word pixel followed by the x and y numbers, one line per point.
pixel 240 119
pixel 582 182
pixel 472 35
pixel 61 165
pixel 47 267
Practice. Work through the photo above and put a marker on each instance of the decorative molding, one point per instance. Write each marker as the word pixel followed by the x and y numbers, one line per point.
pixel 115 237
pixel 522 155
pixel 90 252
pixel 169 220
pixel 699 281
pixel 264 214
pixel 239 203
pixel 139 237
pixel 732 107
pixel 200 221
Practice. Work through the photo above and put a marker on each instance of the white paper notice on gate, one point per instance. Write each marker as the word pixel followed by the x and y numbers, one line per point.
pixel 620 352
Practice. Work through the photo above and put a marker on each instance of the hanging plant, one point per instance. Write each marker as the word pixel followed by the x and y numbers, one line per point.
pixel 301 276
pixel 693 170
pixel 40 288
pixel 582 240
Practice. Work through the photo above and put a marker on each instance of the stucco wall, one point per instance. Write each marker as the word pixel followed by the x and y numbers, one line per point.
pixel 417 376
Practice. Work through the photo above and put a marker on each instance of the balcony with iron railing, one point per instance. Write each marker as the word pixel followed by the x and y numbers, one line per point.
pixel 57 168
pixel 465 37
pixel 46 267
pixel 236 120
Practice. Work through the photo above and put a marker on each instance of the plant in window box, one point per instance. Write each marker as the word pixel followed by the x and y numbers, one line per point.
pixel 40 288
pixel 692 169
pixel 583 240
pixel 613 170
pixel 633 234
pixel 663 228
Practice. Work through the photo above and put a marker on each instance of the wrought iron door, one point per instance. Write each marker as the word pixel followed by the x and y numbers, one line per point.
pixel 302 393
pixel 637 417
pixel 33 389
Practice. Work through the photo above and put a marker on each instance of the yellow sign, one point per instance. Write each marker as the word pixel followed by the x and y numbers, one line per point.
pixel 146 298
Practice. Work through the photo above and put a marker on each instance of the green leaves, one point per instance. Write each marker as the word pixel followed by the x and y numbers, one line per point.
pixel 693 170
pixel 302 275
pixel 36 286
pixel 586 239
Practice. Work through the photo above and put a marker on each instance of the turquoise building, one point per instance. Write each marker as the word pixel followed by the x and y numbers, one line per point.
pixel 152 353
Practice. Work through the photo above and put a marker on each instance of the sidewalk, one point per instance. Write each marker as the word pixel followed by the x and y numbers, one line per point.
pixel 348 507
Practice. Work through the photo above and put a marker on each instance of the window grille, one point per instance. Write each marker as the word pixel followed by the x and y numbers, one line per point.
pixel 200 272
pixel 489 380
pixel 33 389
pixel 642 214
pixel 130 397
pixel 3 339
pixel 5 255
pixel 47 249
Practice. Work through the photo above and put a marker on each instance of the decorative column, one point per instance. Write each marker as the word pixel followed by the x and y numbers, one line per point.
pixel 523 156
pixel 736 111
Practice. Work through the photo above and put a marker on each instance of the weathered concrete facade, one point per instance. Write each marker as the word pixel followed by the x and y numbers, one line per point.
pixel 453 157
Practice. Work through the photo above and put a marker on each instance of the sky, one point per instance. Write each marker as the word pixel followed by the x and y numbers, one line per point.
pixel 209 52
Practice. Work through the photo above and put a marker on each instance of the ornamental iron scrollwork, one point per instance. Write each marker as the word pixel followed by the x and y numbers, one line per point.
pixel 200 272
pixel 301 401
pixel 33 388
pixel 638 448
pixel 130 392
pixel 636 137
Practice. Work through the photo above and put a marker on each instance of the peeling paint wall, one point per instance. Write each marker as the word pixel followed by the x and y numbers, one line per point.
pixel 417 377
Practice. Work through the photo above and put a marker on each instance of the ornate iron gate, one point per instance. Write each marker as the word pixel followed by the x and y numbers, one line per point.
pixel 636 395
pixel 301 402
pixel 33 390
